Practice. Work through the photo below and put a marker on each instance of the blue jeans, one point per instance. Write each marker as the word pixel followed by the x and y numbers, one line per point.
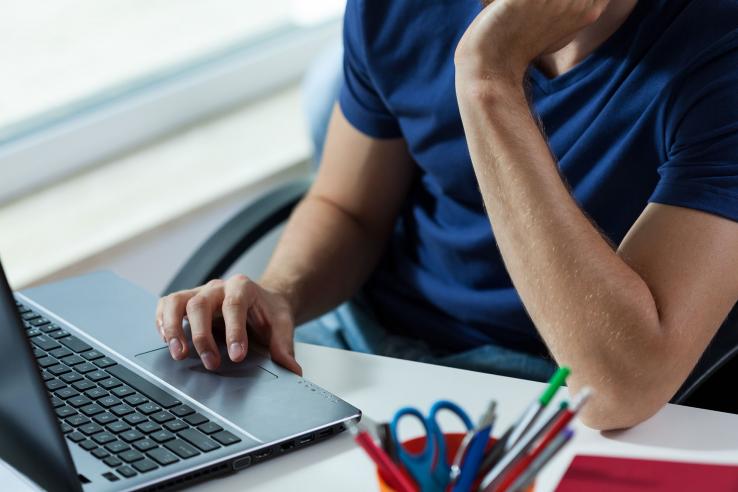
pixel 352 326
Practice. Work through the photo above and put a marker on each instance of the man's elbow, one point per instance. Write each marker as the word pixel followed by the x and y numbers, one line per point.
pixel 609 410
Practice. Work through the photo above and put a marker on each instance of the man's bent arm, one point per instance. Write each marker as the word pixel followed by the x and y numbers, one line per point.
pixel 336 235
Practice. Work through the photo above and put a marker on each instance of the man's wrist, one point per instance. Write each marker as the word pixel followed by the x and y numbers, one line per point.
pixel 491 89
pixel 285 290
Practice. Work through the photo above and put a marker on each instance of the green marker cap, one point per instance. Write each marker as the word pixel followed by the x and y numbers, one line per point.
pixel 557 380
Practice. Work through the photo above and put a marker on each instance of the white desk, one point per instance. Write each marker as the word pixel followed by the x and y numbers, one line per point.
pixel 379 385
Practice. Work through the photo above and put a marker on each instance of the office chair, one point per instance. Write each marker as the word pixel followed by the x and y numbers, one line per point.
pixel 710 386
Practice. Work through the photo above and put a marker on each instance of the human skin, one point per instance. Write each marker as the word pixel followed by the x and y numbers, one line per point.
pixel 631 321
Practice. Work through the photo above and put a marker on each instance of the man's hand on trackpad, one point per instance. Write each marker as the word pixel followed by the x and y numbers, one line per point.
pixel 245 308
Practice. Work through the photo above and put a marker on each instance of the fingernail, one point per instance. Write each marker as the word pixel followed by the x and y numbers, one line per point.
pixel 235 350
pixel 175 348
pixel 208 360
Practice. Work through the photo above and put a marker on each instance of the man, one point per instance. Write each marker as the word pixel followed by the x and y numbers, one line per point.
pixel 582 151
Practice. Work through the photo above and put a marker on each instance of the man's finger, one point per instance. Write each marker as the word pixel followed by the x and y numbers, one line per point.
pixel 172 313
pixel 236 303
pixel 200 310
pixel 281 343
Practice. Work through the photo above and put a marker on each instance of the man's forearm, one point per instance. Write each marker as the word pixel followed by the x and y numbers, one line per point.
pixel 595 313
pixel 323 257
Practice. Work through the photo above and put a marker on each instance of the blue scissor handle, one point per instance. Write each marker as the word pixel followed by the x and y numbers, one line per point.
pixel 420 465
pixel 430 468
pixel 442 470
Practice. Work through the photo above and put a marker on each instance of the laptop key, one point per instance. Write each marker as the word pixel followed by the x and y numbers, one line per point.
pixel 87 387
pixel 66 428
pixel 58 369
pixel 162 456
pixel 103 437
pixel 92 409
pixel 47 361
pixel 126 471
pixel 60 352
pixel 144 444
pixel 209 428
pixel 175 425
pixel 112 461
pixel 149 408
pixel 105 362
pixel 195 419
pixel 29 315
pixel 130 456
pixel 162 436
pixel 145 465
pixel 65 393
pixel 108 401
pixel 54 384
pixel 148 389
pixel 85 367
pixel 78 420
pixel 57 335
pixel 105 418
pixel 95 393
pixel 181 449
pixel 76 436
pixel 65 411
pixel 92 355
pixel 45 342
pixel 118 427
pixel 46 376
pixel 121 410
pixel 117 447
pixel 135 400
pixel 110 383
pixel 97 375
pixel 72 360
pixel 79 401
pixel 225 438
pixel 148 427
pixel 50 328
pixel 131 435
pixel 121 391
pixel 88 445
pixel 75 344
pixel 70 377
pixel 91 428
pixel 38 353
pixel 161 417
pixel 182 410
pixel 56 402
pixel 199 440
pixel 33 332
pixel 100 453
pixel 134 418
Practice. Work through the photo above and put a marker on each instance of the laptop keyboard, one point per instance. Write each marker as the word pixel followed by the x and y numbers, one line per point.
pixel 117 416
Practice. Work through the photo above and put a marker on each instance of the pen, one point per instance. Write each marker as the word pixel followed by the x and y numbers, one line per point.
pixel 483 427
pixel 491 458
pixel 542 460
pixel 390 470
pixel 473 460
pixel 526 460
pixel 535 408
pixel 560 419
pixel 386 441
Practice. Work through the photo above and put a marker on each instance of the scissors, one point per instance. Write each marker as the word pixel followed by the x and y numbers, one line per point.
pixel 430 467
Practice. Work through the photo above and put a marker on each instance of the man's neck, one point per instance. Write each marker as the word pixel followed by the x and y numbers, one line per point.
pixel 587 40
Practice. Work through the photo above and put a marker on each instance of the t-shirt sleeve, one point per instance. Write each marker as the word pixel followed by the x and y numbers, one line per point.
pixel 701 135
pixel 360 102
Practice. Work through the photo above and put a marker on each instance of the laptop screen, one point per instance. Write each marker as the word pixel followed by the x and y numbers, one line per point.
pixel 30 437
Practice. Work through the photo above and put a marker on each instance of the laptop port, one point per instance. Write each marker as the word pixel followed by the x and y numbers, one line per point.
pixel 325 433
pixel 263 454
pixel 287 446
pixel 241 463
pixel 305 439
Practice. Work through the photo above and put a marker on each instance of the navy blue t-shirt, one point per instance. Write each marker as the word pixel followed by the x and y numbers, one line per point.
pixel 650 116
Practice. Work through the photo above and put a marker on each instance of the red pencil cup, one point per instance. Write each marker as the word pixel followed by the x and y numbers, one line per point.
pixel 453 441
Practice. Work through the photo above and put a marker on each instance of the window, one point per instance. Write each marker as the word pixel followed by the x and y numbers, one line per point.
pixel 83 81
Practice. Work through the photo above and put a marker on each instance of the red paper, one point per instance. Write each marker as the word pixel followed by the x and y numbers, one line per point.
pixel 608 474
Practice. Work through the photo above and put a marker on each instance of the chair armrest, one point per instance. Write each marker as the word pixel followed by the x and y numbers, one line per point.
pixel 234 238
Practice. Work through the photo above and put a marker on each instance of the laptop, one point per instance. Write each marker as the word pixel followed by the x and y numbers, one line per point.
pixel 91 400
